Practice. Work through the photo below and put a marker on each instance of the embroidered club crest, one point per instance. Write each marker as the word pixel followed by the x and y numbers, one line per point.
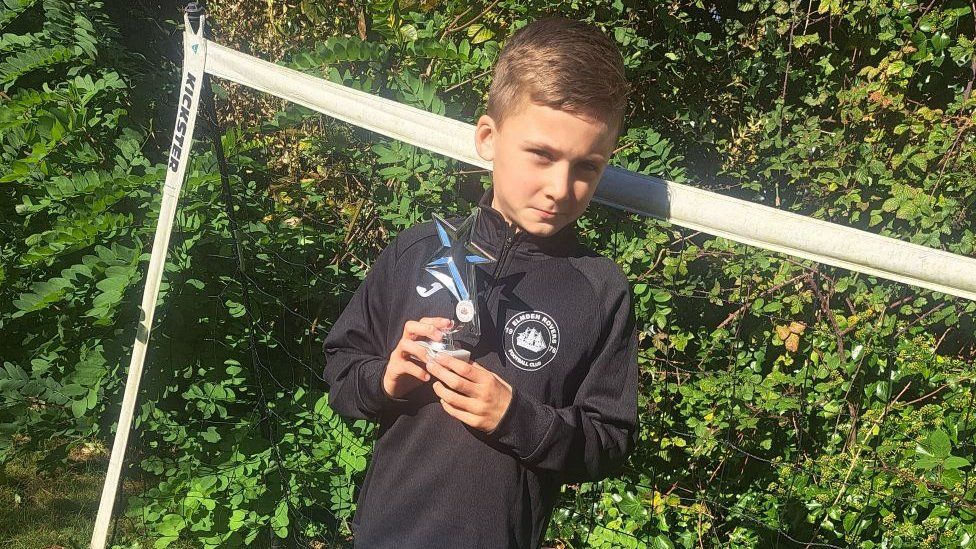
pixel 531 340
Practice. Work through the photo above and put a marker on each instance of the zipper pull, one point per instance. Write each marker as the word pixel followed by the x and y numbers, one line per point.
pixel 512 234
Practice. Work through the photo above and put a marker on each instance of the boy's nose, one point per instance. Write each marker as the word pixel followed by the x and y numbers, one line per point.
pixel 560 183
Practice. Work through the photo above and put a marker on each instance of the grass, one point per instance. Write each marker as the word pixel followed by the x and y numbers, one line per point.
pixel 51 503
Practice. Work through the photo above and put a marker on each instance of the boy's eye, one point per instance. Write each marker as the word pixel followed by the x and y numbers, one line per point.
pixel 543 154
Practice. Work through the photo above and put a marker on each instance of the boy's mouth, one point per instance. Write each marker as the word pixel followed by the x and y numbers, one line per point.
pixel 545 214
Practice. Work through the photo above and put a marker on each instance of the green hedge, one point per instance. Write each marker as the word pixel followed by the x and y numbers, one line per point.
pixel 782 402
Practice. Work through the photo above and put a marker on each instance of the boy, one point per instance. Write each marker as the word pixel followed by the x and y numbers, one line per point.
pixel 472 454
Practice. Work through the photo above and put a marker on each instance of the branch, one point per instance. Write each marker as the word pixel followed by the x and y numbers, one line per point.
pixel 765 292
pixel 825 307
pixel 452 28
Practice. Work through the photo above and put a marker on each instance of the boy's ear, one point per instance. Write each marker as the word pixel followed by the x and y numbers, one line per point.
pixel 484 137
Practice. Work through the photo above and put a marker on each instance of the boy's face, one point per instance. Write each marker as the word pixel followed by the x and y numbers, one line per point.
pixel 547 163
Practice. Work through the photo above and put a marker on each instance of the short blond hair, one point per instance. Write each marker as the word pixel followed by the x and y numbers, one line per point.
pixel 563 64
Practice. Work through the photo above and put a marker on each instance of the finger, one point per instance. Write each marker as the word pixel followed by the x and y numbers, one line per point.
pixel 438 322
pixel 467 370
pixel 416 330
pixel 403 355
pixel 499 378
pixel 452 380
pixel 465 417
pixel 456 400
pixel 406 367
pixel 414 350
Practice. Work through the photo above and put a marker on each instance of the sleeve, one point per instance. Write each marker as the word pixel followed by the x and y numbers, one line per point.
pixel 355 353
pixel 588 439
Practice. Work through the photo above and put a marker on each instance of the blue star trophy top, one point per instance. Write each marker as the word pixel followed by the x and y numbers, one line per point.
pixel 453 265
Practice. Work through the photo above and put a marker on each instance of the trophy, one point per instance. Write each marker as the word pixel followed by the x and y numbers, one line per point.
pixel 453 265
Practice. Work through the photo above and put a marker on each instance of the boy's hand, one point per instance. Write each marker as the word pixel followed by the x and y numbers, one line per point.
pixel 403 372
pixel 469 392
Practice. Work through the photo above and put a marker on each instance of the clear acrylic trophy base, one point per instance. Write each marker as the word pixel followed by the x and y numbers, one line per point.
pixel 439 347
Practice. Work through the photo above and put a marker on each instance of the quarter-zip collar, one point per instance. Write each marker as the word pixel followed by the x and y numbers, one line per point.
pixel 497 235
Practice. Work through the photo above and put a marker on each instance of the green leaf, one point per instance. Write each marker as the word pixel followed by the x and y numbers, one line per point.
pixel 632 505
pixel 210 435
pixel 940 41
pixel 408 33
pixel 479 33
pixel 927 463
pixel 237 519
pixel 280 520
pixel 171 525
pixel 805 39
pixel 955 462
pixel 896 67
pixel 164 541
pixel 661 542
pixel 937 444
pixel 79 407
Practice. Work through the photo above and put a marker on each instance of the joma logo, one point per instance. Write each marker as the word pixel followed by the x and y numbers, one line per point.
pixel 425 292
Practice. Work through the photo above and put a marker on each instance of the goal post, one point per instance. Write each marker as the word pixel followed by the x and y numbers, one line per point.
pixel 194 58
pixel 683 205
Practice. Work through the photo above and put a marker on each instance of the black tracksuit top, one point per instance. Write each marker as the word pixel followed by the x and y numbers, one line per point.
pixel 556 323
